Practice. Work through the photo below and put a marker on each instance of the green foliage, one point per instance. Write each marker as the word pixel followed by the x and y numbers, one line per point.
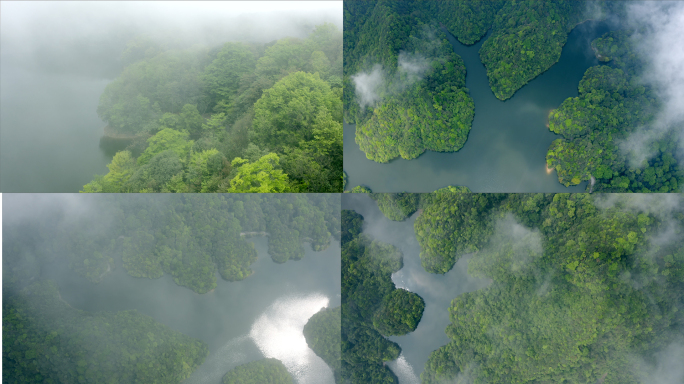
pixel 283 97
pixel 285 114
pixel 189 237
pixel 527 39
pixel 371 303
pixel 580 286
pixel 323 335
pixel 264 371
pixel 74 346
pixel 612 104
pixel 396 206
pixel 259 177
pixel 360 189
pixel 399 313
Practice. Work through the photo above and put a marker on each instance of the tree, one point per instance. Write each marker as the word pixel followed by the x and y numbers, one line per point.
pixel 259 177
pixel 285 114
pixel 166 139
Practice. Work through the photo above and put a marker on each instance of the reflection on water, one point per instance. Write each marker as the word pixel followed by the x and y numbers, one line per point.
pixel 278 333
pixel 403 370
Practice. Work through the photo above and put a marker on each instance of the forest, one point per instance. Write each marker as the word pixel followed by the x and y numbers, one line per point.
pixel 189 237
pixel 613 103
pixel 371 305
pixel 422 103
pixel 586 288
pixel 44 340
pixel 265 371
pixel 242 117
pixel 323 334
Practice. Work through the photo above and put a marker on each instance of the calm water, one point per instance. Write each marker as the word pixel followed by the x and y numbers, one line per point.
pixel 50 131
pixel 437 290
pixel 506 148
pixel 261 316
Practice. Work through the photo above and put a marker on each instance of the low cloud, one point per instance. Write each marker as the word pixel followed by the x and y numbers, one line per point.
pixel 659 25
pixel 667 367
pixel 368 86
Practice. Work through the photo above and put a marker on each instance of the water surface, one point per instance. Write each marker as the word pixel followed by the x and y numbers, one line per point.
pixel 507 145
pixel 437 290
pixel 261 316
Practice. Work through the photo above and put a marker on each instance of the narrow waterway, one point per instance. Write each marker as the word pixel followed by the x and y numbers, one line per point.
pixel 261 316
pixel 437 290
pixel 507 145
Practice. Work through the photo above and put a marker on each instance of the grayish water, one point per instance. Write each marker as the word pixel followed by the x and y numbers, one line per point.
pixel 437 290
pixel 506 148
pixel 50 131
pixel 261 316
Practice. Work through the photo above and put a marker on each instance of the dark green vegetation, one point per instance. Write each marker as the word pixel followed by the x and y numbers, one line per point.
pixel 613 103
pixel 369 298
pixel 44 340
pixel 400 206
pixel 399 313
pixel 424 102
pixel 189 237
pixel 266 371
pixel 323 335
pixel 431 108
pixel 237 118
pixel 584 286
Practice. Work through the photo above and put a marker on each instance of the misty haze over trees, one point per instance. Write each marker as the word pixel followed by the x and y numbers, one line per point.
pixel 188 77
pixel 190 237
pixel 585 288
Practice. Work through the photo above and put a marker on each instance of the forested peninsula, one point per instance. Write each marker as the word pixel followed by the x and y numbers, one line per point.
pixel 189 237
pixel 266 371
pixel 405 88
pixel 44 340
pixel 371 305
pixel 586 288
pixel 614 103
pixel 242 117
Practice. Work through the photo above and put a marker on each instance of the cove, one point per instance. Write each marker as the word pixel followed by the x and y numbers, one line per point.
pixel 507 145
pixel 261 316
pixel 436 290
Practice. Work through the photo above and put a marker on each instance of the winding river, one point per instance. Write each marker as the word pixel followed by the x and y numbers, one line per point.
pixel 506 148
pixel 261 316
pixel 437 290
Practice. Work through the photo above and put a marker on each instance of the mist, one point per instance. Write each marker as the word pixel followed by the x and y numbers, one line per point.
pixel 658 25
pixel 56 58
pixel 51 239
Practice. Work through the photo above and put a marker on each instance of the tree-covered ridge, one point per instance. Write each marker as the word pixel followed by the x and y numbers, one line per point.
pixel 583 287
pixel 425 104
pixel 396 206
pixel 527 39
pixel 237 118
pixel 369 298
pixel 189 237
pixel 264 371
pixel 613 103
pixel 73 346
pixel 323 336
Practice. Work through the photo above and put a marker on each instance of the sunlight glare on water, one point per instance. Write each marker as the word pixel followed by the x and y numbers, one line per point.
pixel 403 370
pixel 278 333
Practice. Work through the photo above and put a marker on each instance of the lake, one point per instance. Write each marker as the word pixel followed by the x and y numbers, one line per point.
pixel 437 290
pixel 261 316
pixel 507 145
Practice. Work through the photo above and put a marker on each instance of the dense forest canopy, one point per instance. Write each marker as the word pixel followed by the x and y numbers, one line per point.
pixel 614 103
pixel 189 237
pixel 586 288
pixel 242 117
pixel 323 336
pixel 371 305
pixel 44 340
pixel 405 88
pixel 265 371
